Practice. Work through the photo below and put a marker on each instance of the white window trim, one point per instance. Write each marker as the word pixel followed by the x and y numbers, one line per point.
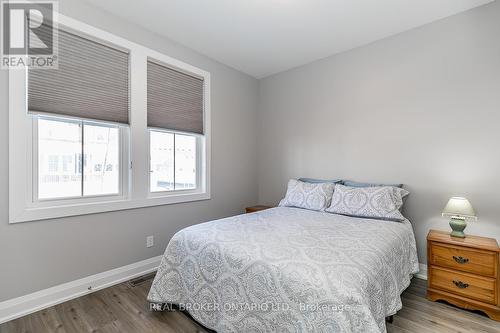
pixel 22 207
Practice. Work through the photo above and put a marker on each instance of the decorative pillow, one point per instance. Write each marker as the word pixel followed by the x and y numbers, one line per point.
pixel 381 202
pixel 306 195
pixel 352 183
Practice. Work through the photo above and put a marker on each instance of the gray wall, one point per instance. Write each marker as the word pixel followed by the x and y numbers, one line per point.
pixel 38 255
pixel 421 108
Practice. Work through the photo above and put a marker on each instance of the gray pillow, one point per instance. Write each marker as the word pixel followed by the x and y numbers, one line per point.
pixel 306 195
pixel 352 183
pixel 383 202
pixel 318 181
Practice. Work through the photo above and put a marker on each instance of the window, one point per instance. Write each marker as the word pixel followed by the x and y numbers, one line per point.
pixel 72 149
pixel 175 117
pixel 115 126
pixel 172 161
pixel 61 140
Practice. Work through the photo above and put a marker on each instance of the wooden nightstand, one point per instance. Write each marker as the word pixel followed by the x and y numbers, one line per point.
pixel 257 208
pixel 464 272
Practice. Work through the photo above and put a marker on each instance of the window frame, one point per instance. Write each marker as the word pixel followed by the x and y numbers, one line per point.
pixel 199 165
pixel 123 169
pixel 134 140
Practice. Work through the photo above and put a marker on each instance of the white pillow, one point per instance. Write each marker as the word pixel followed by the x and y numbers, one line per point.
pixel 307 195
pixel 380 202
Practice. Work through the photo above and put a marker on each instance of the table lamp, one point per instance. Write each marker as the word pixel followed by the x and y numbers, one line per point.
pixel 459 210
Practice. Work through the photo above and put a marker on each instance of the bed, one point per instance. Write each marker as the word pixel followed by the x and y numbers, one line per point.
pixel 288 270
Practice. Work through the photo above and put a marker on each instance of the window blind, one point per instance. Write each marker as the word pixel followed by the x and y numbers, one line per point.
pixel 91 81
pixel 175 99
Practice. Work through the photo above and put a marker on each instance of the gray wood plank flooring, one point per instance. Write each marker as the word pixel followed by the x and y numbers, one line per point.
pixel 123 308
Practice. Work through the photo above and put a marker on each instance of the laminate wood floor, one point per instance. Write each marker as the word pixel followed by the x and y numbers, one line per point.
pixel 123 308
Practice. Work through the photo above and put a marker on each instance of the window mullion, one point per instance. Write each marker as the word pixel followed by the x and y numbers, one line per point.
pixel 139 145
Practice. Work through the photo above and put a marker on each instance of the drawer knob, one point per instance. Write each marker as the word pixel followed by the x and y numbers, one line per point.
pixel 460 260
pixel 460 284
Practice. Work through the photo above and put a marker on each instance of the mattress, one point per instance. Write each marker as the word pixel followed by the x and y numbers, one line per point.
pixel 288 270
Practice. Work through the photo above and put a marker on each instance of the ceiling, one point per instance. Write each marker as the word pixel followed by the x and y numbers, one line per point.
pixel 263 37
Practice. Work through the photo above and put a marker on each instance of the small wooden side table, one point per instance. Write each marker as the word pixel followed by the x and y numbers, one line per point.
pixel 464 272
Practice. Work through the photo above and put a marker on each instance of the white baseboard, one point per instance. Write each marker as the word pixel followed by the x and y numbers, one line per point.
pixel 24 305
pixel 422 274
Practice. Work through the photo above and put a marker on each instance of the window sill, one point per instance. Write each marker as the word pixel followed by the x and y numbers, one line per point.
pixel 74 209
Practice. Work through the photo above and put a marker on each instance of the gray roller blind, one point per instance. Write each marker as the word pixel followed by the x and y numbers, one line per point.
pixel 90 82
pixel 175 99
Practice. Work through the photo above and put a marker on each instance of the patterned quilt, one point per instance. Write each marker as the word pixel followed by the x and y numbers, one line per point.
pixel 288 270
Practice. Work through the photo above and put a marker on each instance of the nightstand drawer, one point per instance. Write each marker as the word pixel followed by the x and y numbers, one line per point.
pixel 464 259
pixel 467 285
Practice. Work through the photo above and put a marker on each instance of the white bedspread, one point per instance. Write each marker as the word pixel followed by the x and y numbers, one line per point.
pixel 289 270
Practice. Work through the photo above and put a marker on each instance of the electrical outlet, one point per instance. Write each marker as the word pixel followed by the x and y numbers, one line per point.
pixel 150 241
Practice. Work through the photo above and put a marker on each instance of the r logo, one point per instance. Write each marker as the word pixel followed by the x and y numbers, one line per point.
pixel 27 28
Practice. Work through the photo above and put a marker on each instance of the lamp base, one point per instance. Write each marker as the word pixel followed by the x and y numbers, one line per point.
pixel 457 225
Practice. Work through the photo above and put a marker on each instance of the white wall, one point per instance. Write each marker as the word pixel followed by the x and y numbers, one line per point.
pixel 421 108
pixel 38 255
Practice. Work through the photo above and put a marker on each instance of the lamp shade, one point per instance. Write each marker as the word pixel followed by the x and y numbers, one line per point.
pixel 459 207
